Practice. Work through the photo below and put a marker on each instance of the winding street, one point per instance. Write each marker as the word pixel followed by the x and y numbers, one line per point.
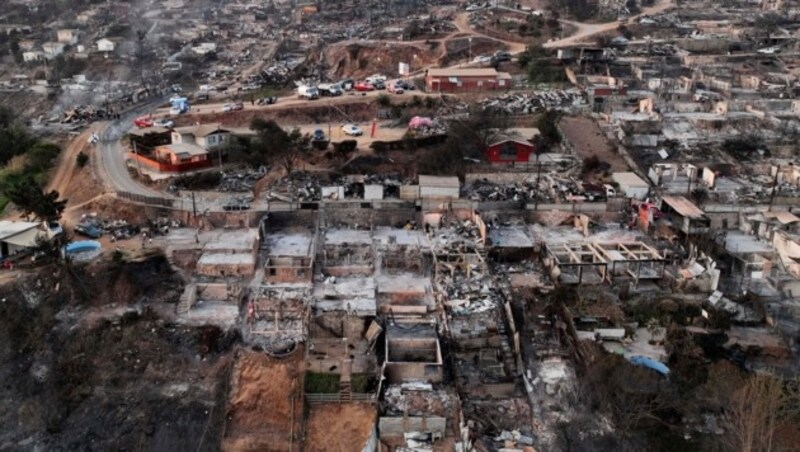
pixel 111 165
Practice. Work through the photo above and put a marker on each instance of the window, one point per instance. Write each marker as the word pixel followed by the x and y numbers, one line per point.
pixel 508 151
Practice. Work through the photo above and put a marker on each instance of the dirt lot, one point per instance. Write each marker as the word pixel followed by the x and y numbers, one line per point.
pixel 588 141
pixel 265 406
pixel 339 428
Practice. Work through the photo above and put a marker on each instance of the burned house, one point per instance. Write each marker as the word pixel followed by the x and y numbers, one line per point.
pixel 346 252
pixel 233 254
pixel 289 257
pixel 413 352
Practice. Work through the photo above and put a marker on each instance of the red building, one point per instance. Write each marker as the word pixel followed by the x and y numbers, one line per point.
pixel 509 151
pixel 464 80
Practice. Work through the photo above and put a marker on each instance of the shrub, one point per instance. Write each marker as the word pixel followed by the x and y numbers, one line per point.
pixel 384 100
pixel 345 147
pixel 82 159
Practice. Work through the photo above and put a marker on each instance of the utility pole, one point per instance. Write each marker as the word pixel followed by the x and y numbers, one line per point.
pixel 219 148
pixel 194 207
pixel 774 188
pixel 538 176
pixel 136 154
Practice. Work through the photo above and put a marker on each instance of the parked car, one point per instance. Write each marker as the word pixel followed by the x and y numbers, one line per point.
pixel 227 108
pixel 352 130
pixel 482 59
pixel 330 89
pixel 269 100
pixel 474 7
pixel 501 56
pixel 347 84
pixel 397 87
pixel 143 122
pixel 364 86
pixel 379 85
pixel 376 78
pixel 307 92
pixel 237 106
pixel 88 230
pixel 318 135
pixel 167 123
pixel 408 86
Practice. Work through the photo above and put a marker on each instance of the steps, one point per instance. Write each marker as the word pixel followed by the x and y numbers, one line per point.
pixel 186 300
pixel 345 391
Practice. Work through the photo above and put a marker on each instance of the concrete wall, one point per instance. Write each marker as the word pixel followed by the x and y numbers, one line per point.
pixel 393 427
pixel 241 268
pixel 397 372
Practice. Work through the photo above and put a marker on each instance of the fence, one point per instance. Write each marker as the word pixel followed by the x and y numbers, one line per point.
pixel 320 399
pixel 150 200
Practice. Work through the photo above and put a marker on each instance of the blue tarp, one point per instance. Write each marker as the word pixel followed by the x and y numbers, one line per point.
pixel 649 363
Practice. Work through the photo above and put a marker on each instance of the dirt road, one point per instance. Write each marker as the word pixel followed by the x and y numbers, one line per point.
pixel 68 162
pixel 585 31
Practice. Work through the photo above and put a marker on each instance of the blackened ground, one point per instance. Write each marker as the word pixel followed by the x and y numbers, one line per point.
pixel 128 380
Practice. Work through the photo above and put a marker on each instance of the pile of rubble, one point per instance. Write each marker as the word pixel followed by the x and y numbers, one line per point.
pixel 299 186
pixel 483 190
pixel 469 294
pixel 83 113
pixel 513 439
pixel 528 103
pixel 241 181
pixel 419 399
pixel 121 229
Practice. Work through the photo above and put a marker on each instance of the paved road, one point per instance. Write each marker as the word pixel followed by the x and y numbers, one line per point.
pixel 111 165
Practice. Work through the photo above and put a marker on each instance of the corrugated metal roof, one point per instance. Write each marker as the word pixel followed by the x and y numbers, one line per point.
pixel 12 228
pixel 477 72
pixel 782 216
pixel 202 130
pixel 684 207
pixel 629 179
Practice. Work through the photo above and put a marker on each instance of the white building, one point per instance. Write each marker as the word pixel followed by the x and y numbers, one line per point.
pixel 32 56
pixel 205 48
pixel 106 45
pixel 53 49
pixel 16 236
pixel 67 36
pixel 631 185
pixel 206 136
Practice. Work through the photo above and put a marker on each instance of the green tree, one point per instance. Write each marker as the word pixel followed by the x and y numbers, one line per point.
pixel 547 123
pixel 14 138
pixel 30 197
pixel 278 146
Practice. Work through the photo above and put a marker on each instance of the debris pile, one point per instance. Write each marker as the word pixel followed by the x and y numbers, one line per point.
pixel 419 399
pixel 240 181
pixel 121 229
pixel 298 186
pixel 483 190
pixel 83 113
pixel 527 103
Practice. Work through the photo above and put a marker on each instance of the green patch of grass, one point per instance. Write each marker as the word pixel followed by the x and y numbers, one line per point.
pixel 317 383
pixel 359 383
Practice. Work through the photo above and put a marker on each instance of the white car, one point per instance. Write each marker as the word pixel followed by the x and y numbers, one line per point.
pixel 474 7
pixel 352 130
pixel 482 59
pixel 166 123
